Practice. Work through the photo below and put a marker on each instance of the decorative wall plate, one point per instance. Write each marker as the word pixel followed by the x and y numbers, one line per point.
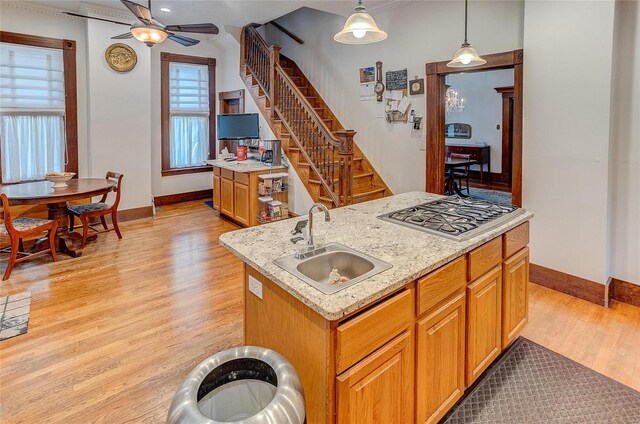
pixel 416 86
pixel 121 57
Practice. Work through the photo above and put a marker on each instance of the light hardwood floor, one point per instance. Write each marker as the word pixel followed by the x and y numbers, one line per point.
pixel 112 334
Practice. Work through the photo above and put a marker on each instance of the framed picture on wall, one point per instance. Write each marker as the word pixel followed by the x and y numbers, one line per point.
pixel 457 130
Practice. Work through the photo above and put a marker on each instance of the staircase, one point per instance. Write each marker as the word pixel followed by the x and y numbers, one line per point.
pixel 333 169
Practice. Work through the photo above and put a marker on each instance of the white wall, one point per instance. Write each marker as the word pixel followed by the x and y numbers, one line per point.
pixel 483 109
pixel 624 159
pixel 567 92
pixel 119 115
pixel 421 32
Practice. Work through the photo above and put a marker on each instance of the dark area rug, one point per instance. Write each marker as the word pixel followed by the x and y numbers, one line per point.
pixel 209 203
pixel 495 196
pixel 14 314
pixel 531 384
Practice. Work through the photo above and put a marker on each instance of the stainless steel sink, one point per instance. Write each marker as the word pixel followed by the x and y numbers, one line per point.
pixel 315 268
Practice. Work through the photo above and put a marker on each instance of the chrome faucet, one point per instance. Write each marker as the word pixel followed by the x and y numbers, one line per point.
pixel 327 218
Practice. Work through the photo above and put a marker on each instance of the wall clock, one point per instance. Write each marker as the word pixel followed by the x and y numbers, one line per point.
pixel 416 86
pixel 121 57
pixel 379 87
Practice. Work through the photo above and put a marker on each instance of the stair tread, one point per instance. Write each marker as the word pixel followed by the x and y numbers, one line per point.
pixel 356 175
pixel 356 195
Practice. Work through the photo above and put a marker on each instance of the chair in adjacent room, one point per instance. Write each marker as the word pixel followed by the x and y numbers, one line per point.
pixel 21 228
pixel 460 175
pixel 98 210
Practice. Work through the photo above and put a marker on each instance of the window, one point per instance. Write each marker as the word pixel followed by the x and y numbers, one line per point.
pixel 38 127
pixel 188 113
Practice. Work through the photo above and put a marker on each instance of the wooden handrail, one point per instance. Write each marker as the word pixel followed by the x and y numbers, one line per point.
pixel 316 142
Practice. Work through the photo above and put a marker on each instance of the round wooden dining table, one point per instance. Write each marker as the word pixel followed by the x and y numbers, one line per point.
pixel 42 192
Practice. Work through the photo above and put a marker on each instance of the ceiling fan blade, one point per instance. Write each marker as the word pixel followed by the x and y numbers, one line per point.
pixel 123 36
pixel 97 19
pixel 196 28
pixel 141 12
pixel 181 39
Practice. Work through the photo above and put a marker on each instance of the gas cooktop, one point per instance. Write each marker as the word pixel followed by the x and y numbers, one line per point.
pixel 454 217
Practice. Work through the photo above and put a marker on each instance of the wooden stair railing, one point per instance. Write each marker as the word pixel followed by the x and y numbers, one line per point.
pixel 317 143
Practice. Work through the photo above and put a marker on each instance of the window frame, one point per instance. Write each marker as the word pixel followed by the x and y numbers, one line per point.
pixel 68 48
pixel 165 60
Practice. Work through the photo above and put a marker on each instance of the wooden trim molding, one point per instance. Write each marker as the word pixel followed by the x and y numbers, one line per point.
pixel 68 48
pixel 132 214
pixel 435 119
pixel 624 291
pixel 569 284
pixel 165 151
pixel 171 199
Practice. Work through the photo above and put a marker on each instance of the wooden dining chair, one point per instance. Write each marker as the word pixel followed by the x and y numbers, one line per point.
pixel 22 228
pixel 460 175
pixel 98 210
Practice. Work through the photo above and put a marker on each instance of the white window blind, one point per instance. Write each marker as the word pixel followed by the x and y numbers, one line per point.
pixel 32 107
pixel 189 114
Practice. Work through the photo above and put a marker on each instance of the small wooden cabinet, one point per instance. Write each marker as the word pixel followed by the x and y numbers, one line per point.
pixel 226 197
pixel 235 194
pixel 515 296
pixel 484 307
pixel 241 203
pixel 440 360
pixel 379 389
pixel 481 154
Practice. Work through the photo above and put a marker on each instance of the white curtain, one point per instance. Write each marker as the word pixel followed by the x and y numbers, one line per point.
pixel 31 146
pixel 190 135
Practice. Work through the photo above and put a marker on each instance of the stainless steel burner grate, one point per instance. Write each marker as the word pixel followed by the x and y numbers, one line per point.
pixel 453 217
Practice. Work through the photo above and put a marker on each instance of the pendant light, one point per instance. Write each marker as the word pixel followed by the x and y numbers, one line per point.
pixel 360 28
pixel 466 56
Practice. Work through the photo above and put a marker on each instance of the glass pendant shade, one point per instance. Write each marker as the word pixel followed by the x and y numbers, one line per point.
pixel 466 57
pixel 360 28
pixel 149 34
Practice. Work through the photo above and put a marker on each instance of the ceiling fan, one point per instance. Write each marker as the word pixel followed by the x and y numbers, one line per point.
pixel 152 32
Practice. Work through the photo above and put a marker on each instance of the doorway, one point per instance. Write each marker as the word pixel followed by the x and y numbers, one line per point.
pixel 437 72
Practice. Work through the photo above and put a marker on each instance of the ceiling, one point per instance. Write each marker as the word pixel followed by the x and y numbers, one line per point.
pixel 221 12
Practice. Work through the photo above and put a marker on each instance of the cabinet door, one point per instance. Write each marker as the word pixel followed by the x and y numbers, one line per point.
pixel 515 295
pixel 379 389
pixel 440 360
pixel 241 203
pixel 484 306
pixel 226 196
pixel 216 192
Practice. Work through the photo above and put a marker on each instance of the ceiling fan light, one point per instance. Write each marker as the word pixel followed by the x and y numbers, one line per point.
pixel 466 57
pixel 360 28
pixel 149 35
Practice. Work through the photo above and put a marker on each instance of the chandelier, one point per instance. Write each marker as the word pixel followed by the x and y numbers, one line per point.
pixel 452 102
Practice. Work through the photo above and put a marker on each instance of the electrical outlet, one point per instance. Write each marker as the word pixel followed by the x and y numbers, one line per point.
pixel 255 287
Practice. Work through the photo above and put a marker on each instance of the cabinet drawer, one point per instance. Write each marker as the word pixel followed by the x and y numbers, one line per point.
pixel 514 240
pixel 484 258
pixel 371 329
pixel 227 173
pixel 216 170
pixel 241 177
pixel 442 283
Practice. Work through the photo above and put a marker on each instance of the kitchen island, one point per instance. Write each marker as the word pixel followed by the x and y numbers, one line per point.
pixel 403 345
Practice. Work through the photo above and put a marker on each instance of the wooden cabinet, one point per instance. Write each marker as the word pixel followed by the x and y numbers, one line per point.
pixel 440 360
pixel 241 203
pixel 379 389
pixel 226 196
pixel 484 307
pixel 216 192
pixel 515 295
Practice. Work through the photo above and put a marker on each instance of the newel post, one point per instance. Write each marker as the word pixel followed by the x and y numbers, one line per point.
pixel 345 152
pixel 274 51
pixel 243 47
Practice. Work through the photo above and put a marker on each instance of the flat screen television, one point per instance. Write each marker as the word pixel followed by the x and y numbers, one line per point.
pixel 238 126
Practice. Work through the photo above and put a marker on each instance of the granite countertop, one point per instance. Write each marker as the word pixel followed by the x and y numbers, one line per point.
pixel 412 253
pixel 249 165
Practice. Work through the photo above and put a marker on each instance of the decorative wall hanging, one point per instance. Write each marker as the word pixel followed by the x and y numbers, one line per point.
pixel 121 57
pixel 367 83
pixel 416 86
pixel 457 130
pixel 397 80
pixel 397 106
pixel 379 87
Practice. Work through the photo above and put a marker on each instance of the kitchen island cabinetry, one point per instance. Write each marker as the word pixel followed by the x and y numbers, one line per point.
pixel 235 189
pixel 401 346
